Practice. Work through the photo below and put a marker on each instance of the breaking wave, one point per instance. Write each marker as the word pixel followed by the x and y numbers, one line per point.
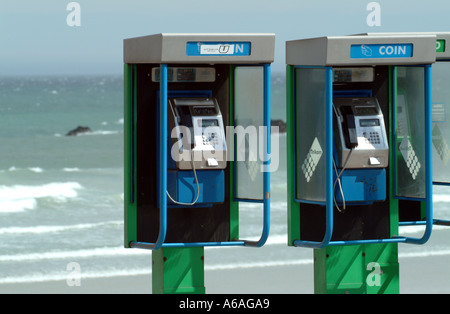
pixel 18 198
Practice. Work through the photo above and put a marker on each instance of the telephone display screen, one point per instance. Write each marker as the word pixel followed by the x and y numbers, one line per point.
pixel 369 122
pixel 365 111
pixel 209 122
pixel 200 111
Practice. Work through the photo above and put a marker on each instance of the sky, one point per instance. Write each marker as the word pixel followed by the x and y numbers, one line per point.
pixel 35 38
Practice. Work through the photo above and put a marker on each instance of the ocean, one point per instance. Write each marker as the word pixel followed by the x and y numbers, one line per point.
pixel 61 197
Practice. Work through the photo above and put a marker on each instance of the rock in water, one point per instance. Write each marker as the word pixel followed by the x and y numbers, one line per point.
pixel 280 124
pixel 79 130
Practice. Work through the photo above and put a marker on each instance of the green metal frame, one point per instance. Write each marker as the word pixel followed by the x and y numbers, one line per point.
pixel 175 269
pixel 234 205
pixel 365 268
pixel 393 202
pixel 130 227
pixel 293 207
pixel 163 210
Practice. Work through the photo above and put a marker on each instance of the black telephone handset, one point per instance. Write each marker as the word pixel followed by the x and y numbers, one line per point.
pixel 185 119
pixel 349 126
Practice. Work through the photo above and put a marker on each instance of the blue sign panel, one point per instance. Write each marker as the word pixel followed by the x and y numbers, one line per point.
pixel 381 51
pixel 195 48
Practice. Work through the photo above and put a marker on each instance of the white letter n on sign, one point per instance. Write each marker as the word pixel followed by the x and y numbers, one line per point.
pixel 239 48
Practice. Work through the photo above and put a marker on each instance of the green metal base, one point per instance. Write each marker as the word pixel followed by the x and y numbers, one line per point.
pixel 178 271
pixel 358 269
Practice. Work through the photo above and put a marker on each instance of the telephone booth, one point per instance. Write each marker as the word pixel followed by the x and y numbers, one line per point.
pixel 359 139
pixel 415 213
pixel 441 117
pixel 197 138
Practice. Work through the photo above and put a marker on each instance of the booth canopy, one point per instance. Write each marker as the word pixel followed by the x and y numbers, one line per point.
pixel 200 48
pixel 362 50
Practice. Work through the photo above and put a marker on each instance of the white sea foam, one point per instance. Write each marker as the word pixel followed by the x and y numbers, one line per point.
pixel 96 132
pixel 36 169
pixel 63 276
pixel 13 206
pixel 53 229
pixel 75 169
pixel 260 264
pixel 99 132
pixel 441 198
pixel 19 198
pixel 76 254
pixel 276 239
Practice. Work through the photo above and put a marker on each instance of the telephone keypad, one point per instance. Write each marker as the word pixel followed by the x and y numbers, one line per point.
pixel 372 137
pixel 212 139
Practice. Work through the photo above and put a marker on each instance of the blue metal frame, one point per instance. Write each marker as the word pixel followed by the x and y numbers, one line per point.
pixel 326 241
pixel 163 176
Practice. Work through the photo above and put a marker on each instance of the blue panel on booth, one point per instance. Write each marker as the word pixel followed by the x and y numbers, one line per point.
pixel 183 188
pixel 362 185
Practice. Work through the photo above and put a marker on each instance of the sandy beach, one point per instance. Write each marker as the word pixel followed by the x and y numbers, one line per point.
pixel 419 275
pixel 424 269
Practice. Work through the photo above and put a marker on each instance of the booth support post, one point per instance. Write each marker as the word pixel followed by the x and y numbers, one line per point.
pixel 174 270
pixel 366 268
pixel 178 271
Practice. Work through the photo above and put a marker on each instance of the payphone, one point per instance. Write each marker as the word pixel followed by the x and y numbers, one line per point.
pixel 410 213
pixel 199 128
pixel 360 133
pixel 361 143
pixel 198 150
pixel 440 111
pixel 342 139
pixel 343 95
pixel 183 187
pixel 441 118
